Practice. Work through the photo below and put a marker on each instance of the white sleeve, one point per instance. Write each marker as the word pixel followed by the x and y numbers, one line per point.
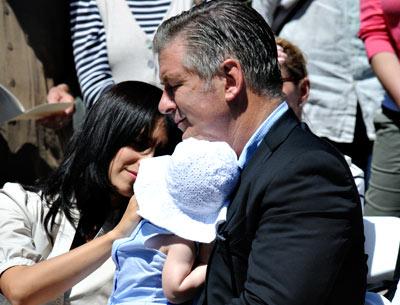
pixel 23 240
pixel 359 180
pixel 358 175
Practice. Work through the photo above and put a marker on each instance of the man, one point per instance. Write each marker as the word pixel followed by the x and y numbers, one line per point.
pixel 293 65
pixel 296 87
pixel 294 232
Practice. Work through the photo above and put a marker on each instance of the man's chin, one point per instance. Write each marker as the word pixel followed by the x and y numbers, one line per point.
pixel 186 135
pixel 190 134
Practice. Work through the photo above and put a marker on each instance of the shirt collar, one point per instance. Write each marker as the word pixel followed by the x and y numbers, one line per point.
pixel 255 140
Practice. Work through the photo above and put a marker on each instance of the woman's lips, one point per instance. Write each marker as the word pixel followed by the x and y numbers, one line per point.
pixel 132 174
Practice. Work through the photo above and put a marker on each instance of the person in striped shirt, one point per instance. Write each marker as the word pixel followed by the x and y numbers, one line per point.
pixel 112 42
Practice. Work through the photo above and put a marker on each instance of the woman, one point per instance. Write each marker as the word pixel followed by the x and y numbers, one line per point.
pixel 380 29
pixel 42 254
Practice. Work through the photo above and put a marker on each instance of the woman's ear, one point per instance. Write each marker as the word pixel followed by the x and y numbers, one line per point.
pixel 304 90
pixel 233 74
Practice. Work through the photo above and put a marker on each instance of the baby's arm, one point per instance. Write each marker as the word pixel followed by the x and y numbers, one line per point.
pixel 180 282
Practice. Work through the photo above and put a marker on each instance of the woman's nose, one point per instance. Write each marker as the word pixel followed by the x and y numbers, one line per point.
pixel 146 155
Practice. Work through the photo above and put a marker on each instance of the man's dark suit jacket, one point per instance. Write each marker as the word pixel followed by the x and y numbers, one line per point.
pixel 294 230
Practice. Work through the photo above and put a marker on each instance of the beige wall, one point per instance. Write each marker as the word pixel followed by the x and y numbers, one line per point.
pixel 35 53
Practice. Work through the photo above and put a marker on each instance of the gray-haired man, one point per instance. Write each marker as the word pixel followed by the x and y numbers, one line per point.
pixel 294 232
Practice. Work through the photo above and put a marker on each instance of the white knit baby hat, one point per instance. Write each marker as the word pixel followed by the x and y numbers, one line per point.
pixel 187 193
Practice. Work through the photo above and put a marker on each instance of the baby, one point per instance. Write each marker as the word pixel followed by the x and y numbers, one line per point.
pixel 182 198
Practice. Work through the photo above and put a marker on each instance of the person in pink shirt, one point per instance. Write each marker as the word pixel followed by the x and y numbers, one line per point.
pixel 380 31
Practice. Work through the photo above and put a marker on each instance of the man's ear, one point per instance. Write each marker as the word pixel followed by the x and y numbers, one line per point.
pixel 233 74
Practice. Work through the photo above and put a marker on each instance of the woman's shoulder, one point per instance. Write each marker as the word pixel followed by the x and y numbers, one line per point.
pixel 18 192
pixel 14 186
pixel 14 197
pixel 23 240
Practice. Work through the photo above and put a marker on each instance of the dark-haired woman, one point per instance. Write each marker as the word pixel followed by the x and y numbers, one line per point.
pixel 56 238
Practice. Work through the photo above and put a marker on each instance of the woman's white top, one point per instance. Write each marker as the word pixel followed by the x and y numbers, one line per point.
pixel 23 241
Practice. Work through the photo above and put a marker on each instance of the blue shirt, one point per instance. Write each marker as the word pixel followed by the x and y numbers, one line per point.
pixel 138 268
pixel 390 104
pixel 255 140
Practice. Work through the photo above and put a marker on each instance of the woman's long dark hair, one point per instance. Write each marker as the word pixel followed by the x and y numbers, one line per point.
pixel 125 115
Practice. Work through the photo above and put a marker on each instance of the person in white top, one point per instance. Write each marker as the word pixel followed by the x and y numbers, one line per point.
pixel 56 238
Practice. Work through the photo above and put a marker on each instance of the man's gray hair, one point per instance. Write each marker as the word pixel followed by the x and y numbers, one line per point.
pixel 217 30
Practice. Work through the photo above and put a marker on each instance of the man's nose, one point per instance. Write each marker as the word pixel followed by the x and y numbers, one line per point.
pixel 166 104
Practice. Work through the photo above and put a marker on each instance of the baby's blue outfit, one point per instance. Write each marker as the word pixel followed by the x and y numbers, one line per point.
pixel 138 271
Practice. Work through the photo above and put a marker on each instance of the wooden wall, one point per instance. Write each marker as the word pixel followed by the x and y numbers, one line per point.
pixel 35 54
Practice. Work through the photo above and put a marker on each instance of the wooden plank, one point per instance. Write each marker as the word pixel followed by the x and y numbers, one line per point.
pixel 35 53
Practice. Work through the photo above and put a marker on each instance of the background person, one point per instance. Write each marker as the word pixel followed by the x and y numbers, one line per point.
pixel 296 87
pixel 344 90
pixel 380 26
pixel 111 43
pixel 58 235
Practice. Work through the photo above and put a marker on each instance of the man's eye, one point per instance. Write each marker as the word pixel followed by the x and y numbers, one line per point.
pixel 171 89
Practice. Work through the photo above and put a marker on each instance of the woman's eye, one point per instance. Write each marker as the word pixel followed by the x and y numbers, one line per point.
pixel 140 147
pixel 161 150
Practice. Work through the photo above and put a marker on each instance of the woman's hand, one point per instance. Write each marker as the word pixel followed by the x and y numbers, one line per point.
pixel 45 280
pixel 129 220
